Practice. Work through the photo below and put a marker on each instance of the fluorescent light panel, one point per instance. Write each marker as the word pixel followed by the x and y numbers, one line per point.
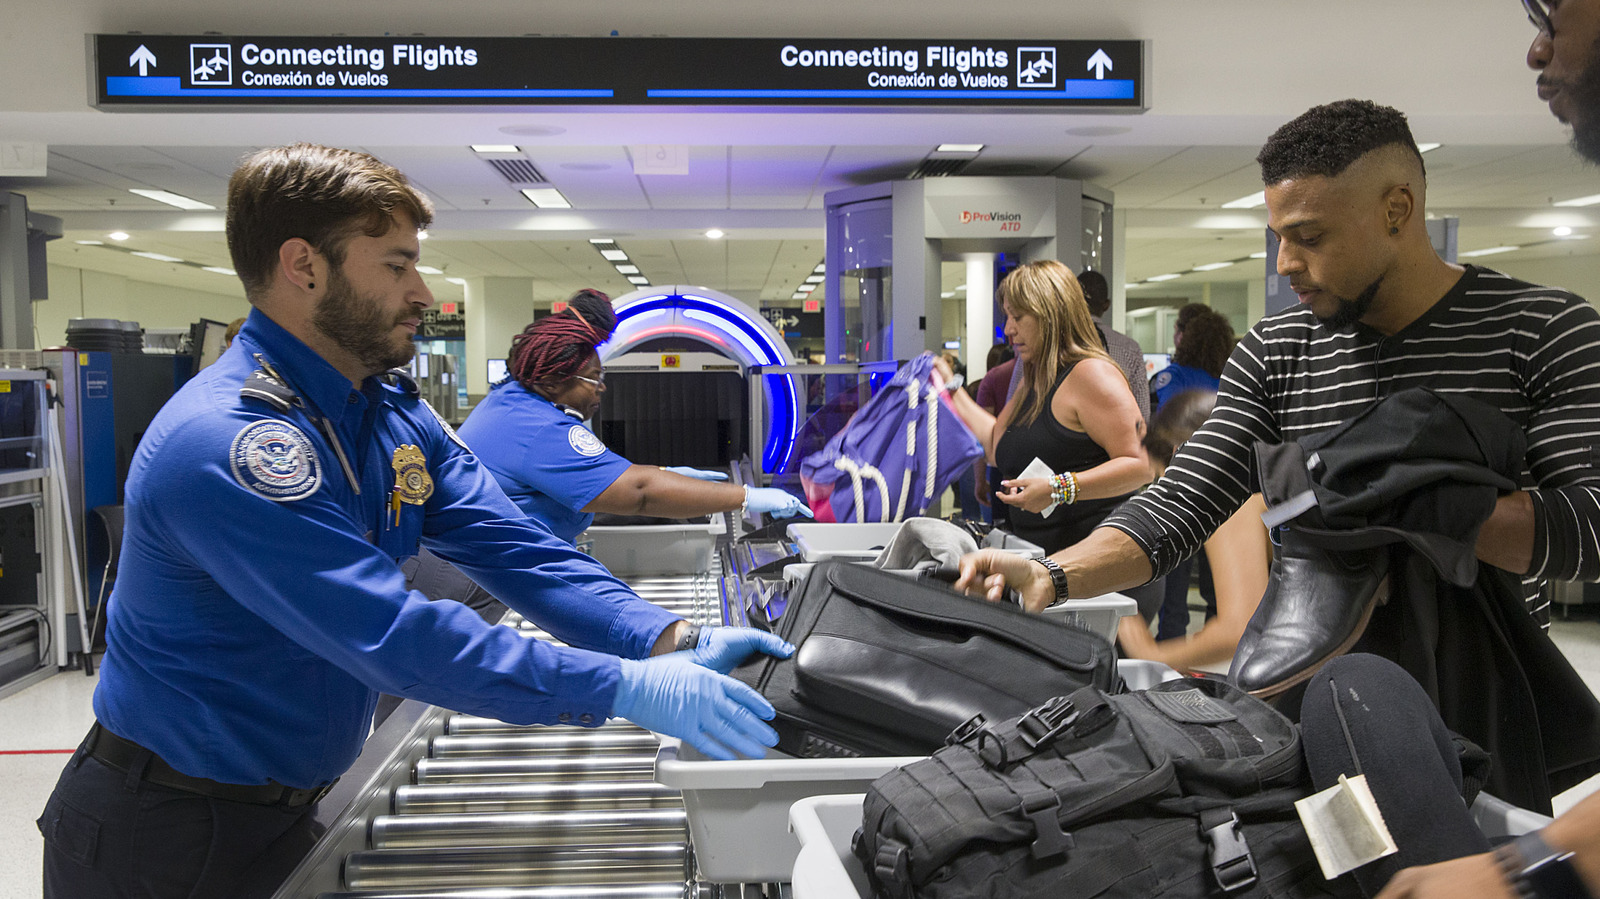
pixel 1260 255
pixel 546 198
pixel 170 198
pixel 1423 148
pixel 1166 277
pixel 1212 266
pixel 1590 200
pixel 629 269
pixel 1488 251
pixel 495 148
pixel 1259 198
pixel 430 270
pixel 640 280
pixel 159 257
pixel 218 269
pixel 959 148
pixel 461 282
pixel 614 255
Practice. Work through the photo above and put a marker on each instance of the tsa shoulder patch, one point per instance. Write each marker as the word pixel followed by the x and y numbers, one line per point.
pixel 276 460
pixel 1163 378
pixel 584 441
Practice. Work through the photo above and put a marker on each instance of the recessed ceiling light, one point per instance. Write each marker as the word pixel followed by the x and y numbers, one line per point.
pixel 806 288
pixel 959 148
pixel 640 280
pixel 601 240
pixel 170 198
pixel 821 268
pixel 629 269
pixel 614 255
pixel 461 282
pixel 1580 201
pixel 218 269
pixel 430 270
pixel 1561 231
pixel 961 288
pixel 1131 286
pixel 1259 255
pixel 816 279
pixel 1167 277
pixel 546 198
pixel 1212 266
pixel 715 234
pixel 159 257
pixel 1259 198
pixel 91 243
pixel 948 294
pixel 1423 148
pixel 799 296
pixel 495 148
pixel 1489 251
pixel 118 235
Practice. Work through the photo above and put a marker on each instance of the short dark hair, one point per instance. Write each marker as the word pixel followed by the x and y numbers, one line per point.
pixel 1325 140
pixel 322 195
pixel 1096 292
pixel 1176 421
pixel 1207 339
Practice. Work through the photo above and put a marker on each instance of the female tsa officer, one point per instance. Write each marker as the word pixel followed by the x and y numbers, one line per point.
pixel 528 433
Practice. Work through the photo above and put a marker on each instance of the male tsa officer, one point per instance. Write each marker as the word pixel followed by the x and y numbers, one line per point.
pixel 260 607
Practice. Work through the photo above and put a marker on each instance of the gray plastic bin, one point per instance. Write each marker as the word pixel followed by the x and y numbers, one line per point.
pixel 640 550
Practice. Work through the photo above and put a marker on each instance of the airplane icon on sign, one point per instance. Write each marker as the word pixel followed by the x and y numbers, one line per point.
pixel 211 63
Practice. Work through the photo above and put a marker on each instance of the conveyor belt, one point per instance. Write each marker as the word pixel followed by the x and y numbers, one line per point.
pixel 497 811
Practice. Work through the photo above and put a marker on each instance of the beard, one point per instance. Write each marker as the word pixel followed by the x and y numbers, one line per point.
pixel 1350 311
pixel 1583 93
pixel 358 324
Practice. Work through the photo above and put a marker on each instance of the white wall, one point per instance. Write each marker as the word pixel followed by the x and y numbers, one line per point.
pixel 1579 274
pixel 81 293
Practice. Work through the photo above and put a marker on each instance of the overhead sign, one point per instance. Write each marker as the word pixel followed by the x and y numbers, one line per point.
pixel 448 322
pixel 142 70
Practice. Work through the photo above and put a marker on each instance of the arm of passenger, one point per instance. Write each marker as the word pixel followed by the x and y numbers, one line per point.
pixel 648 490
pixel 1554 530
pixel 1241 558
pixel 982 425
pixel 1105 561
pixel 1097 395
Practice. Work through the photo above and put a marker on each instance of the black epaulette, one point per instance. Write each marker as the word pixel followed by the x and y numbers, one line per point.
pixel 400 378
pixel 270 390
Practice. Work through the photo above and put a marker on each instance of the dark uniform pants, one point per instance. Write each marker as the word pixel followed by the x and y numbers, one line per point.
pixel 109 834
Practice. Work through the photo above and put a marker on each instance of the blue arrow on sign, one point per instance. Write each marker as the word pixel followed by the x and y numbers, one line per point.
pixel 1100 62
pixel 142 58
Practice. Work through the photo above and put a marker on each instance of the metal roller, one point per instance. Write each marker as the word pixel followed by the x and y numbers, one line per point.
pixel 535 769
pixel 441 799
pixel 511 866
pixel 623 891
pixel 589 828
pixel 463 725
pixel 564 743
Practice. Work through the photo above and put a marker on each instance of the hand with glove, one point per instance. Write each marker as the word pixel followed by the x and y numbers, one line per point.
pixel 723 648
pixel 775 502
pixel 698 474
pixel 673 694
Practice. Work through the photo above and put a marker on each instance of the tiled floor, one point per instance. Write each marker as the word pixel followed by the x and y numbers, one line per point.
pixel 40 725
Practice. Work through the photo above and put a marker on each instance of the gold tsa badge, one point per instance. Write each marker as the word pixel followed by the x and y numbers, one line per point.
pixel 411 481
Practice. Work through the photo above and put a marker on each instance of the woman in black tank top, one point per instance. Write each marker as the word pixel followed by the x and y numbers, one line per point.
pixel 1073 411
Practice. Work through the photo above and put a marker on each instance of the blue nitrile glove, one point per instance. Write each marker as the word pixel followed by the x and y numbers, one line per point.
pixel 698 474
pixel 778 503
pixel 670 694
pixel 723 648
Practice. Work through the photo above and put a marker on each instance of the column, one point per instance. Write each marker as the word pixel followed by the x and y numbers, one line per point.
pixel 497 309
pixel 980 312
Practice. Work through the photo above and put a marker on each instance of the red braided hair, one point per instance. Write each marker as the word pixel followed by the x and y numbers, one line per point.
pixel 556 347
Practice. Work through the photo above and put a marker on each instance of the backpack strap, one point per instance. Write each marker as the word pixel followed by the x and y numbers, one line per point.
pixel 891 868
pixel 1231 862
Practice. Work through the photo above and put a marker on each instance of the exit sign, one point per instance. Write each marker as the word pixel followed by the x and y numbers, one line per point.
pixel 558 306
pixel 448 308
pixel 811 306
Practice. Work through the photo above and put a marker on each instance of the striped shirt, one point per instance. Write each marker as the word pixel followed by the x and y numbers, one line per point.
pixel 1533 352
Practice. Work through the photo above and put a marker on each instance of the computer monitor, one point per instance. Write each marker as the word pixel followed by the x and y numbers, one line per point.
pixel 1154 362
pixel 207 338
pixel 496 370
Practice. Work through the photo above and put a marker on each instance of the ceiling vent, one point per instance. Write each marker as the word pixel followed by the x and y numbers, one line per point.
pixel 939 168
pixel 518 170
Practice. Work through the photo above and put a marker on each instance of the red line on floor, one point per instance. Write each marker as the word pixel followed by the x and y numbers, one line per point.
pixel 37 751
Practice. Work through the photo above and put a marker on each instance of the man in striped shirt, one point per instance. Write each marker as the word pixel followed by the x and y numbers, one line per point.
pixel 1379 311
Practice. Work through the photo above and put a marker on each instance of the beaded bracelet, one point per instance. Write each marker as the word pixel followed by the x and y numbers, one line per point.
pixel 1064 488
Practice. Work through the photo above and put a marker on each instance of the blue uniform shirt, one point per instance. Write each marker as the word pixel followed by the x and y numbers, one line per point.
pixel 550 465
pixel 1175 379
pixel 259 604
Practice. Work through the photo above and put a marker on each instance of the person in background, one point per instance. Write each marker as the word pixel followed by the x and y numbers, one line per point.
pixel 1239 548
pixel 966 486
pixel 529 433
pixel 1201 342
pixel 232 332
pixel 990 397
pixel 1075 412
pixel 1124 350
pixel 259 606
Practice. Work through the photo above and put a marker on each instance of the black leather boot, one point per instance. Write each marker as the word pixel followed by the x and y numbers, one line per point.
pixel 1316 606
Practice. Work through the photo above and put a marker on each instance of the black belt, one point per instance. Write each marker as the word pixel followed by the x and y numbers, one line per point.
pixel 123 754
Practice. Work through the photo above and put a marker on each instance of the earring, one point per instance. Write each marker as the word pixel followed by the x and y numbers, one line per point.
pixel 312 285
pixel 1393 230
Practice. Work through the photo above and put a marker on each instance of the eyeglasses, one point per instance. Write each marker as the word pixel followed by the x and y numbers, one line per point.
pixel 1539 14
pixel 598 381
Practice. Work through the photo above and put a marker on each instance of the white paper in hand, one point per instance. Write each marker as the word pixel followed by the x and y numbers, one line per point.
pixel 1037 469
pixel 1345 826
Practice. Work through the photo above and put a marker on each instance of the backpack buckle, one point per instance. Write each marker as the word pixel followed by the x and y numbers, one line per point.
pixel 967 730
pixel 1047 722
pixel 1231 862
pixel 1044 810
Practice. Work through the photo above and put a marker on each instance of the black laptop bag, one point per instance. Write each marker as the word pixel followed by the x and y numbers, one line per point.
pixel 889 665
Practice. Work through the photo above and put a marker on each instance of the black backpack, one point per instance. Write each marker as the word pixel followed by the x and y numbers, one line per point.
pixel 1183 790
